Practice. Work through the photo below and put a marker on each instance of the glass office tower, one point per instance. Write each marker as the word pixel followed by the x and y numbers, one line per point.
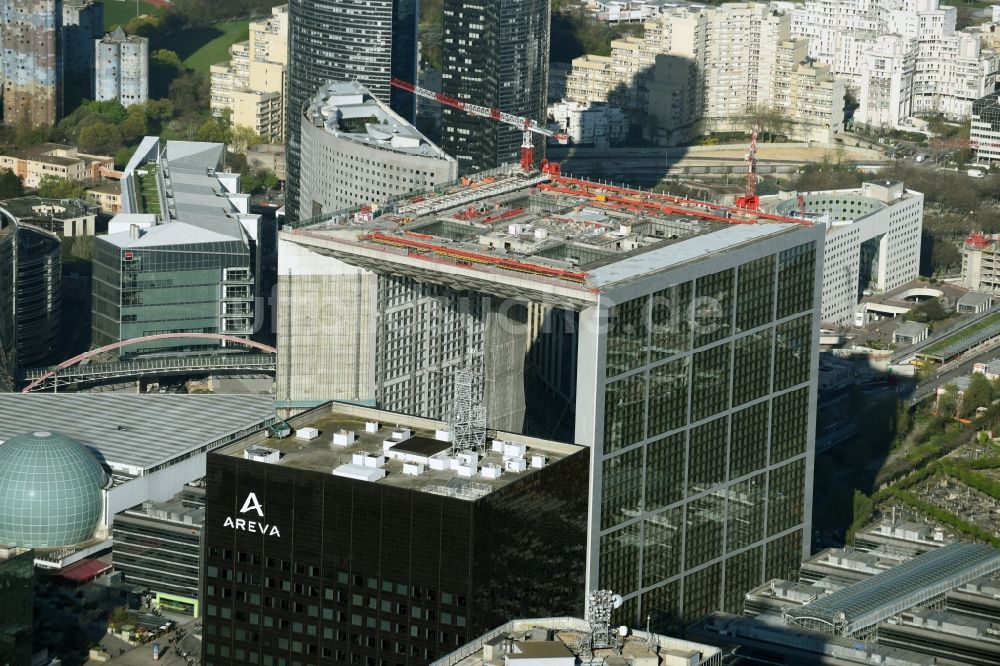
pixel 17 577
pixel 370 41
pixel 495 54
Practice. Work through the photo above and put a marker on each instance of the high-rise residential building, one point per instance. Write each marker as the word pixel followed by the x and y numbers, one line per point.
pixel 30 62
pixel 122 68
pixel 82 23
pixel 356 150
pixel 677 340
pixel 252 84
pixel 369 41
pixel 403 553
pixel 712 69
pixel 183 256
pixel 495 54
pixel 901 58
pixel 872 241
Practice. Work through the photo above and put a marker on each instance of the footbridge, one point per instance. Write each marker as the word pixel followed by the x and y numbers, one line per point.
pixel 80 369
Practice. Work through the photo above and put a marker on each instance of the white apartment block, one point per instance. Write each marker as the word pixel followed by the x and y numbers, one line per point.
pixel 704 69
pixel 872 240
pixel 597 124
pixel 902 57
pixel 252 84
pixel 984 133
pixel 121 68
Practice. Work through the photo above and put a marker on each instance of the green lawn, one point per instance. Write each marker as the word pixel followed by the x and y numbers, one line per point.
pixel 200 48
pixel 117 12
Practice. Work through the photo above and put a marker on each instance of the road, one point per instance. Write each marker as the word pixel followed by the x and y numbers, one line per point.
pixel 951 374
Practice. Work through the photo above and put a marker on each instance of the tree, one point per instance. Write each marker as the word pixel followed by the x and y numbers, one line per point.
pixel 10 184
pixel 214 131
pixel 164 67
pixel 242 137
pixel 947 402
pixel 134 127
pixel 100 139
pixel 979 394
pixel 59 188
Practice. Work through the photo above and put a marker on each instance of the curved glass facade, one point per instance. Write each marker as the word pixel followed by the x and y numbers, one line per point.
pixel 39 297
pixel 50 491
pixel 369 41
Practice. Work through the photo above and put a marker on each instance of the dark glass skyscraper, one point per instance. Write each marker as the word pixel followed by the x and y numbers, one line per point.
pixel 496 53
pixel 370 41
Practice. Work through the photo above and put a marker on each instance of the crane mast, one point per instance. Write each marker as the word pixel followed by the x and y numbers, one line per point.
pixel 526 125
pixel 750 200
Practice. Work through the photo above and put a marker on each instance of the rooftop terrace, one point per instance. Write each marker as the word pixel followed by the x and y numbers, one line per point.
pixel 549 228
pixel 394 449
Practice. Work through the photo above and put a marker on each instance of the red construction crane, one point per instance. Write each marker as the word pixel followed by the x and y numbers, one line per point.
pixel 750 200
pixel 526 125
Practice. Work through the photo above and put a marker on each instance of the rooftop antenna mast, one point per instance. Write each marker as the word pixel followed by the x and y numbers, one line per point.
pixel 468 416
pixel 600 605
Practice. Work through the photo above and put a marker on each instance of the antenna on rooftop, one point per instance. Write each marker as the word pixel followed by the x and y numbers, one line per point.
pixel 468 416
pixel 600 605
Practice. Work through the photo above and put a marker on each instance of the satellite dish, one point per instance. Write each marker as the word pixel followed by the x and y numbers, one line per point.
pixel 616 601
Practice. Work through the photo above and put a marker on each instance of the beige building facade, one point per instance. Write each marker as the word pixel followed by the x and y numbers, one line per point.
pixel 252 84
pixel 713 69
pixel 56 160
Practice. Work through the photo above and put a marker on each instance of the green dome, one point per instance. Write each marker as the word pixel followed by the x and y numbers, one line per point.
pixel 50 491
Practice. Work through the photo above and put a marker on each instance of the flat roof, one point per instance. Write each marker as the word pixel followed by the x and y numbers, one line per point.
pixel 539 227
pixel 564 638
pixel 23 208
pixel 134 430
pixel 320 454
pixel 905 585
pixel 348 110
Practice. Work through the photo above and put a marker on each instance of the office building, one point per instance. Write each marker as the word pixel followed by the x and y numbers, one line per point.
pixel 252 84
pixel 336 40
pixel 901 59
pixel 495 54
pixel 712 69
pixel 17 577
pixel 104 453
pixel 31 63
pixel 872 240
pixel 82 23
pixel 560 640
pixel 573 302
pixel 55 160
pixel 122 68
pixel 157 546
pixel 403 553
pixel 32 262
pixel 900 602
pixel 984 133
pixel 356 150
pixel 188 259
pixel 65 217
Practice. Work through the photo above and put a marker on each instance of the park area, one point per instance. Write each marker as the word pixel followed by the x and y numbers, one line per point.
pixel 198 47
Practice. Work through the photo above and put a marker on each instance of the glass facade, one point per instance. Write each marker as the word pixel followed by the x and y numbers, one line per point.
pixel 495 54
pixel 17 572
pixel 185 288
pixel 50 491
pixel 370 573
pixel 370 41
pixel 703 470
